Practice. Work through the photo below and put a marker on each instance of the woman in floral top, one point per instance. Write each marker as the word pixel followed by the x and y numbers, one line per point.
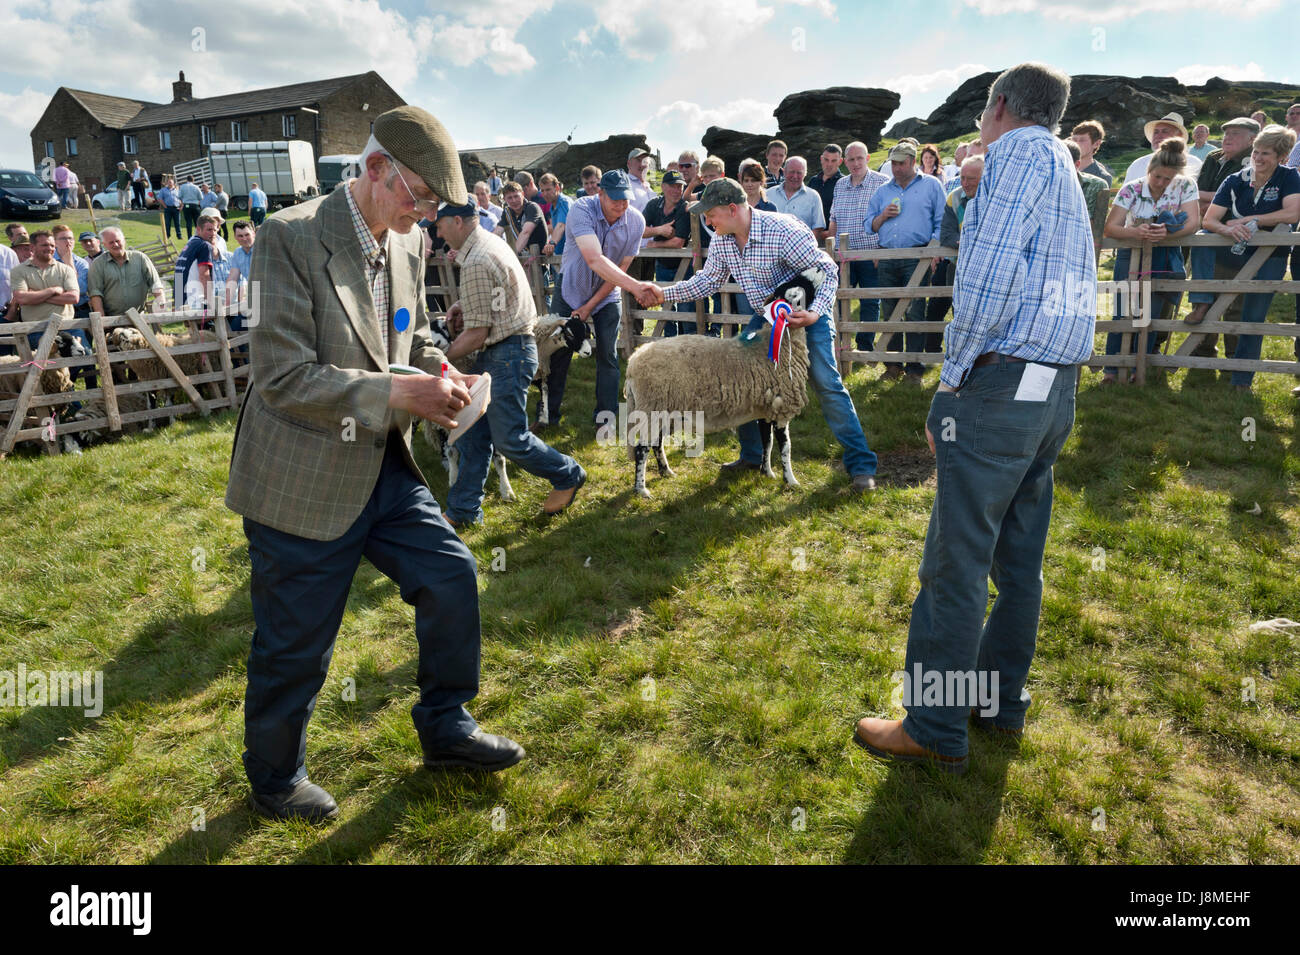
pixel 1162 205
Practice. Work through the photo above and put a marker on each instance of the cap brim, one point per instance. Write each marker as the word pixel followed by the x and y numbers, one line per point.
pixel 618 193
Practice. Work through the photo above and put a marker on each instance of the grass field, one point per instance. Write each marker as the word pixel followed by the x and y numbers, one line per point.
pixel 685 671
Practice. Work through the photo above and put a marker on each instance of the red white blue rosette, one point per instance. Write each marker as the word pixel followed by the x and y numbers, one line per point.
pixel 778 315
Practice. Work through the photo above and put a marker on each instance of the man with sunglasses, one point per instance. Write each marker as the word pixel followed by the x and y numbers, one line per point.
pixel 322 470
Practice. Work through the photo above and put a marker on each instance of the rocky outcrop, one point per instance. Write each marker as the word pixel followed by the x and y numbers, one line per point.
pixel 807 121
pixel 608 154
pixel 1123 104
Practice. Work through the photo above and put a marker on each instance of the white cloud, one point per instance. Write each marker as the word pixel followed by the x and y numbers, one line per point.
pixel 18 114
pixel 464 45
pixel 1111 11
pixel 680 124
pixel 947 80
pixel 1198 73
pixel 645 29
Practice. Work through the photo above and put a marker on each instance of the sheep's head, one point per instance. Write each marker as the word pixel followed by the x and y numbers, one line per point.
pixel 798 290
pixel 577 336
pixel 440 334
pixel 125 339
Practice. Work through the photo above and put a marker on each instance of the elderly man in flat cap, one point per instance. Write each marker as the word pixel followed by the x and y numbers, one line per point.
pixel 322 470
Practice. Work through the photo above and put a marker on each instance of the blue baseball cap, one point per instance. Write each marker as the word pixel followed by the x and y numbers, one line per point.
pixel 466 210
pixel 616 184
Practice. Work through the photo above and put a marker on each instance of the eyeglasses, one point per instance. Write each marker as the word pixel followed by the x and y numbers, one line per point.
pixel 426 206
pixel 686 165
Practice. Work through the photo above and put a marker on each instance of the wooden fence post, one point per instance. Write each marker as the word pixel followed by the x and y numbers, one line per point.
pixel 1143 275
pixel 105 371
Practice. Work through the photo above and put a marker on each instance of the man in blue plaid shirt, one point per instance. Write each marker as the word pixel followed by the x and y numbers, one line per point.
pixel 1024 307
pixel 762 250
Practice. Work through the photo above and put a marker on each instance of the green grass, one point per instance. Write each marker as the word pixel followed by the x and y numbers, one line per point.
pixel 758 668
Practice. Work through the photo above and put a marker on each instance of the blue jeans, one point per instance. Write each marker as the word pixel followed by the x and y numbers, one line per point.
pixel 504 426
pixel 837 406
pixel 991 513
pixel 605 322
pixel 257 214
pixel 1168 262
pixel 172 220
pixel 862 274
pixel 898 272
pixel 666 271
pixel 299 589
pixel 1254 307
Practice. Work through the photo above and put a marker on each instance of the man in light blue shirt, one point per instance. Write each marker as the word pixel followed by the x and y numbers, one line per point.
pixel 605 235
pixel 796 199
pixel 906 213
pixel 257 204
pixel 1024 316
pixel 192 202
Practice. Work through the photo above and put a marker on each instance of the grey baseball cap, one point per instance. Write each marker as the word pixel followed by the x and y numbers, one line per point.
pixel 721 192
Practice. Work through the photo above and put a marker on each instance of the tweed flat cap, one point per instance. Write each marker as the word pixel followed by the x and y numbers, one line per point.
pixel 416 139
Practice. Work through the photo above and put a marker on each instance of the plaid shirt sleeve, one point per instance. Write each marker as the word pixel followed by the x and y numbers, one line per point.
pixel 801 253
pixel 704 282
pixel 476 285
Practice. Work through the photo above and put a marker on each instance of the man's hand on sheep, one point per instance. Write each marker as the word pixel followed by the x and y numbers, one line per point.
pixel 801 318
pixel 427 396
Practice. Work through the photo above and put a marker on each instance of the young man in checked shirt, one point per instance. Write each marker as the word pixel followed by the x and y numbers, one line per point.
pixel 1024 308
pixel 762 250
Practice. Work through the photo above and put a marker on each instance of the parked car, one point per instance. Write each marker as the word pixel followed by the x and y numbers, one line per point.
pixel 23 196
pixel 108 198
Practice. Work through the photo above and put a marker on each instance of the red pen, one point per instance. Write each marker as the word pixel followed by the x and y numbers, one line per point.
pixel 444 369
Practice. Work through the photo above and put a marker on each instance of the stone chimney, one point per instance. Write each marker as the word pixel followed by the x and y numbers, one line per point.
pixel 182 92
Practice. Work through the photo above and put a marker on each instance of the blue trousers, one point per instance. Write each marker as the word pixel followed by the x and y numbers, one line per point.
pixel 666 271
pixel 1167 261
pixel 991 512
pixel 300 589
pixel 1254 307
pixel 836 404
pixel 898 272
pixel 504 426
pixel 862 274
pixel 172 220
pixel 605 321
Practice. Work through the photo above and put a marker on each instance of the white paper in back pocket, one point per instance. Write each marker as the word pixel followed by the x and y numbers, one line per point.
pixel 1035 383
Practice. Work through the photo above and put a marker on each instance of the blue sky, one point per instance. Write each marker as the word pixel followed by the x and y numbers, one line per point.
pixel 512 71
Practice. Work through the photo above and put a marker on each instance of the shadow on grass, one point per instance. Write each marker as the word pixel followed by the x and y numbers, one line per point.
pixel 919 815
pixel 223 834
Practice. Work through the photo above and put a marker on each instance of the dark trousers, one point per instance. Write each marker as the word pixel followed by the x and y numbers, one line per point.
pixel 257 214
pixel 191 219
pixel 897 273
pixel 936 309
pixel 862 274
pixel 992 508
pixel 172 220
pixel 605 322
pixel 300 589
pixel 137 187
pixel 1295 276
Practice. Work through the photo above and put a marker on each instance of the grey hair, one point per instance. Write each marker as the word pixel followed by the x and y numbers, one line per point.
pixel 799 159
pixel 103 233
pixel 972 161
pixel 1034 92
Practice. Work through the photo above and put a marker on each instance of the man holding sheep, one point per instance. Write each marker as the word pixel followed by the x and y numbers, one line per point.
pixel 761 250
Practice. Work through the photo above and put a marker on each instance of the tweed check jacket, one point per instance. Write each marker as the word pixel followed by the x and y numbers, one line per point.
pixel 311 434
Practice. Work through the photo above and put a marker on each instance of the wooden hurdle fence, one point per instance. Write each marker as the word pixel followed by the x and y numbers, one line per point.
pixel 28 414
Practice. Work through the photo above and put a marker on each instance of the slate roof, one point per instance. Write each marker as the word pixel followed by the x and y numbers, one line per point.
pixel 239 104
pixel 112 111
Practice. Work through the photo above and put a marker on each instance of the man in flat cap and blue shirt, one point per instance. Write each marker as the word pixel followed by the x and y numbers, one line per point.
pixel 497 312
pixel 761 250
pixel 322 471
pixel 603 234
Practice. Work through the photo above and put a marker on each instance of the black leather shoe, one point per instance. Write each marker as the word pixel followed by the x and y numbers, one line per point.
pixel 740 465
pixel 481 751
pixel 305 800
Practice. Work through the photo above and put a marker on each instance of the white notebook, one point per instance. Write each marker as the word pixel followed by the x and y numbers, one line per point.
pixel 480 396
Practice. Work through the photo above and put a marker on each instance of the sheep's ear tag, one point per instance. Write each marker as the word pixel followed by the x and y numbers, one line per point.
pixel 778 314
pixel 402 319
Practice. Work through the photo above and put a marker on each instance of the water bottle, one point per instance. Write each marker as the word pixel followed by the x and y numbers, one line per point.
pixel 1240 247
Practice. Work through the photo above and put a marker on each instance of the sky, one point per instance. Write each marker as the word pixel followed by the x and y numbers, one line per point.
pixel 499 72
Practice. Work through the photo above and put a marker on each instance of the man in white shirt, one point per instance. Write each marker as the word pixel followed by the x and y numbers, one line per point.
pixel 638 161
pixel 794 198
pixel 1158 130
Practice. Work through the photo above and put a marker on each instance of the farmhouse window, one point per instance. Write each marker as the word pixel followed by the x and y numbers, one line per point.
pixel 289 124
pixel 129 145
pixel 72 146
pixel 239 131
pixel 164 140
